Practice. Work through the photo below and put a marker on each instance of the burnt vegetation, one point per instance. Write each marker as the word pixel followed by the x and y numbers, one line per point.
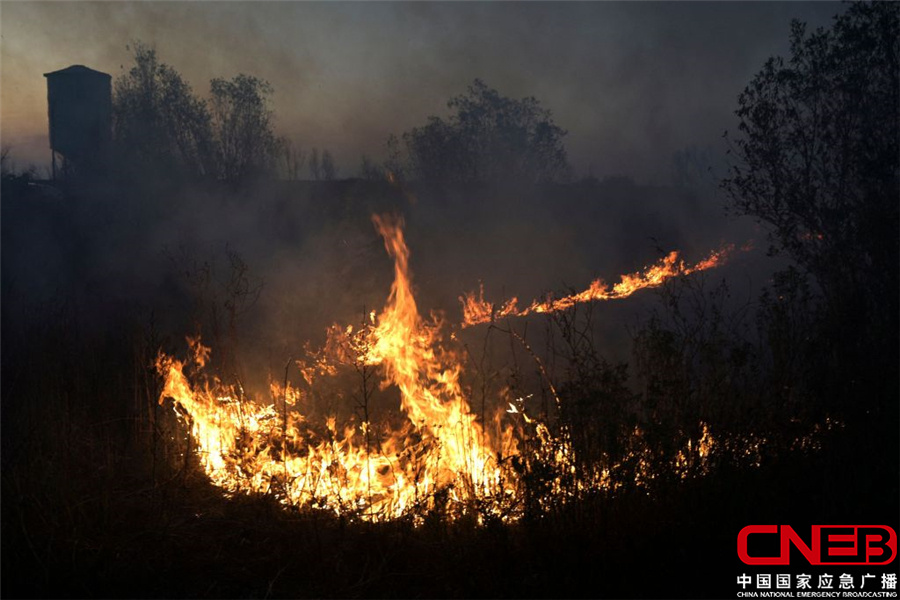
pixel 719 405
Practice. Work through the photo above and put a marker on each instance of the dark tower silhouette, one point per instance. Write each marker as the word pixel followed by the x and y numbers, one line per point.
pixel 79 102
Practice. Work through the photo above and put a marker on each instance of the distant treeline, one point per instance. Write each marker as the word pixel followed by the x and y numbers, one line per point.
pixel 163 129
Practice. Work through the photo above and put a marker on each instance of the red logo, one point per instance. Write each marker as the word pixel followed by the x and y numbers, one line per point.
pixel 828 544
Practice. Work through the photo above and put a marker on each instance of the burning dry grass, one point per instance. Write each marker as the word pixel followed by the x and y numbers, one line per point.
pixel 106 494
pixel 441 458
pixel 476 310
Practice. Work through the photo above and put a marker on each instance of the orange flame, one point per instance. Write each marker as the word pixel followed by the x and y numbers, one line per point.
pixel 442 449
pixel 442 457
pixel 477 310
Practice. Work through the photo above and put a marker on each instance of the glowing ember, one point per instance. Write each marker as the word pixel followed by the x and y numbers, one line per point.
pixel 477 310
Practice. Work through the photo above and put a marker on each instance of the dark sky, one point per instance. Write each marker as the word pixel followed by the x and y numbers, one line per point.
pixel 631 82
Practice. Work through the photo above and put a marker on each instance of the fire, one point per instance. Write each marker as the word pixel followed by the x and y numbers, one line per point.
pixel 443 451
pixel 441 456
pixel 477 310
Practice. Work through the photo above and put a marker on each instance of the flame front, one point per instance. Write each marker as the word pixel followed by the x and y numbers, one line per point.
pixel 441 452
pixel 441 456
pixel 477 310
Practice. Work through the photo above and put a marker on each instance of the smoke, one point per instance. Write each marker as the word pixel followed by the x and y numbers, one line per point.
pixel 632 83
pixel 309 255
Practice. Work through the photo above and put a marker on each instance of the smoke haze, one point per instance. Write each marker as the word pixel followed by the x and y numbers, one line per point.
pixel 631 82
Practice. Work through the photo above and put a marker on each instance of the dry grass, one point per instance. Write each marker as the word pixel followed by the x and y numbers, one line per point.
pixel 98 502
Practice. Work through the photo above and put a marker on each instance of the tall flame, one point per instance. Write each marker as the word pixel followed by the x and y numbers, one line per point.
pixel 442 456
pixel 429 384
pixel 477 310
pixel 443 449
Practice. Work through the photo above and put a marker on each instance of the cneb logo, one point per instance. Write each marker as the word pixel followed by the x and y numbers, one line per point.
pixel 828 544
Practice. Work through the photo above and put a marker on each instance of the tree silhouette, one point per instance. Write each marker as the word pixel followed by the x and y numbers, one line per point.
pixel 488 137
pixel 329 168
pixel 161 127
pixel 242 123
pixel 819 165
pixel 369 170
pixel 158 122
pixel 292 159
pixel 315 165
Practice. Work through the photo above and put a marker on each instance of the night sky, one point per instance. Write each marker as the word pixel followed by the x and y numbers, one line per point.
pixel 632 82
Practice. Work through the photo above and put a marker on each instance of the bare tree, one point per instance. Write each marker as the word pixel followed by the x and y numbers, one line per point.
pixel 6 164
pixel 370 171
pixel 292 159
pixel 315 166
pixel 329 169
